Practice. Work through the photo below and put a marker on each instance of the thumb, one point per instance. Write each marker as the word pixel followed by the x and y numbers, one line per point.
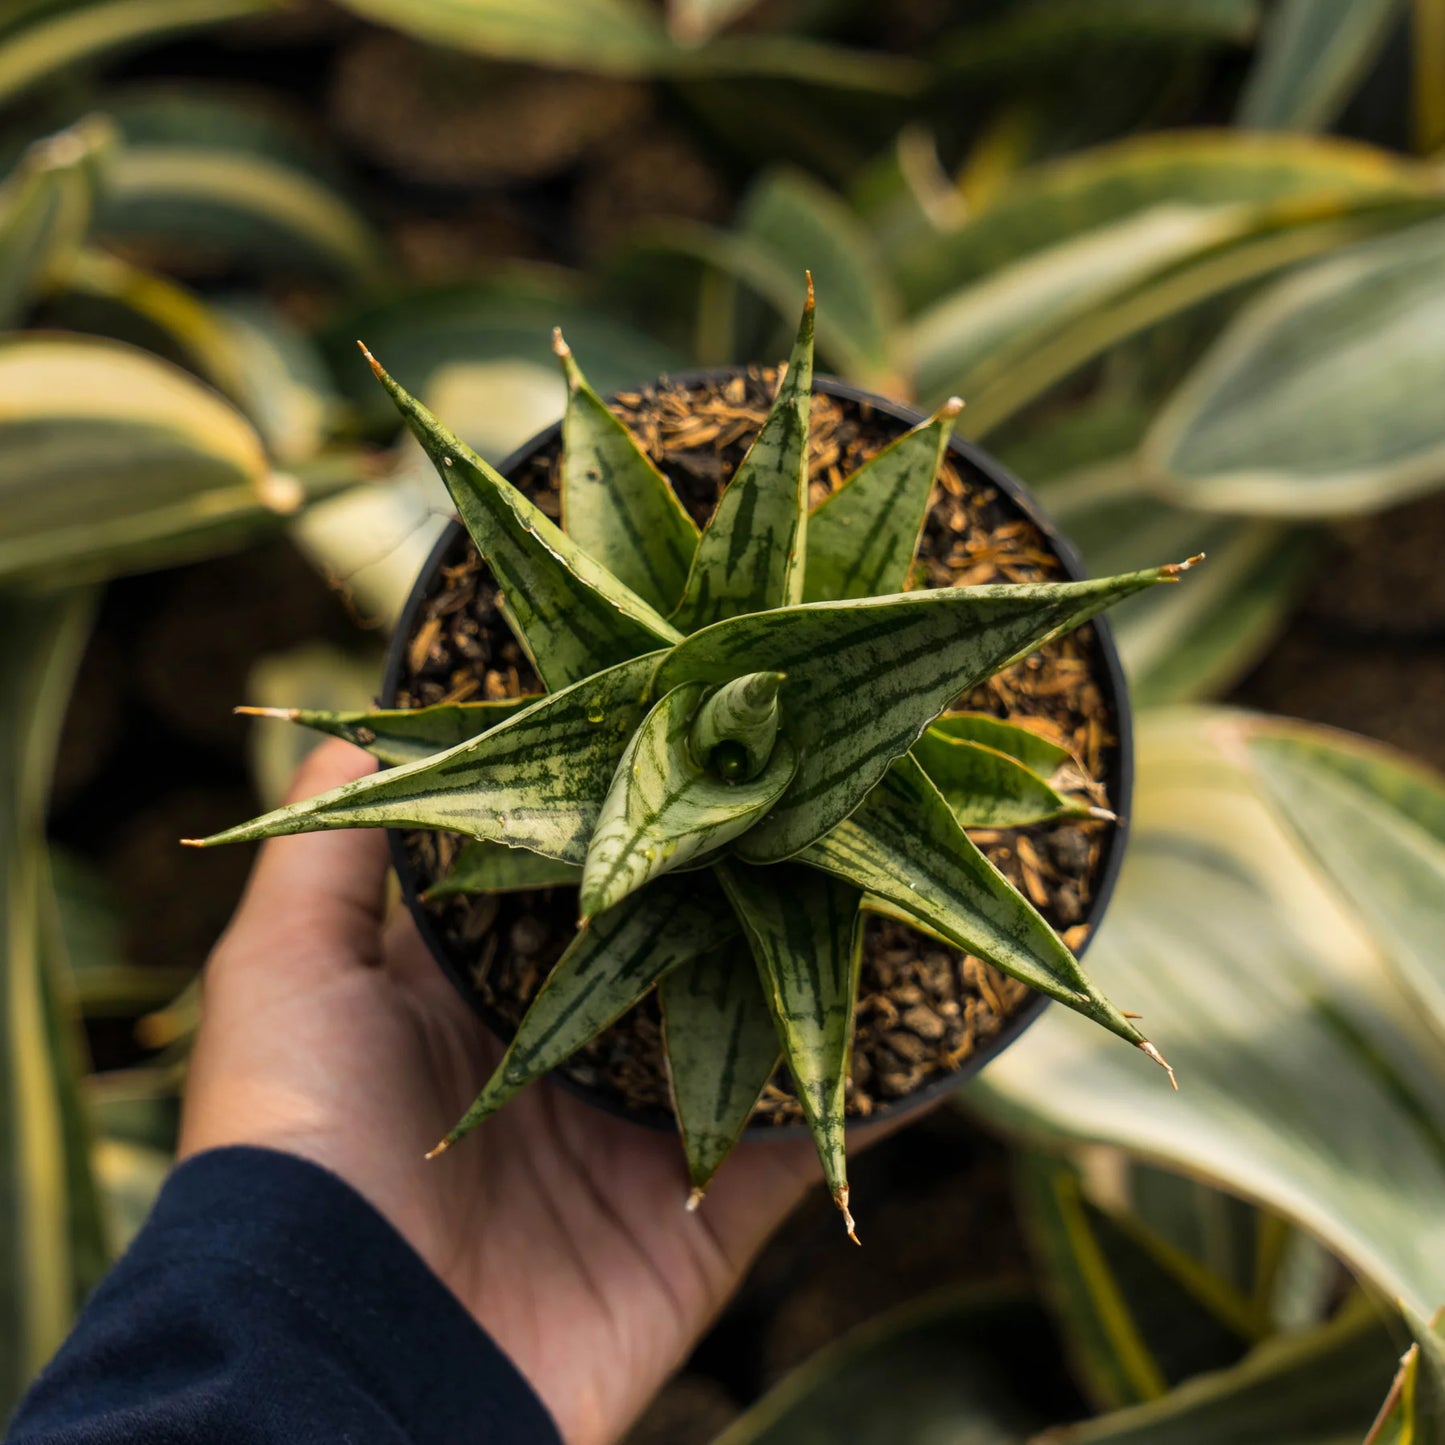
pixel 315 899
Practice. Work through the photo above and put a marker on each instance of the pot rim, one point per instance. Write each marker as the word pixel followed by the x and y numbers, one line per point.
pixel 1121 789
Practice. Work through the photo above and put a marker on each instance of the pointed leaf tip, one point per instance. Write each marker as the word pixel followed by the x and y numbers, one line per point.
pixel 193 843
pixel 439 1148
pixel 371 361
pixel 1171 570
pixel 694 1198
pixel 1163 1063
pixel 808 277
pixel 841 1200
pixel 286 714
pixel 559 346
pixel 951 407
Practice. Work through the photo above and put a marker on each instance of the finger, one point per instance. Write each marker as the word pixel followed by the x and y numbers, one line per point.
pixel 326 889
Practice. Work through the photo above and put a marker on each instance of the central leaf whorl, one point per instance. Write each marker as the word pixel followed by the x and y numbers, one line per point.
pixel 736 727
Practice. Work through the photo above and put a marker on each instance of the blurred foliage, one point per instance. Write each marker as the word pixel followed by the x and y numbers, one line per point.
pixel 1172 301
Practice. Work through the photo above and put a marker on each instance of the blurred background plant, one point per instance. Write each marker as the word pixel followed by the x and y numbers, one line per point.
pixel 1185 260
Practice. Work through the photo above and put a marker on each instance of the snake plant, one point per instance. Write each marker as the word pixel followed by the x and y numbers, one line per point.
pixel 740 743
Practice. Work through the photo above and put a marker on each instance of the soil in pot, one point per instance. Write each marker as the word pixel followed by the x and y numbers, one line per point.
pixel 924 1009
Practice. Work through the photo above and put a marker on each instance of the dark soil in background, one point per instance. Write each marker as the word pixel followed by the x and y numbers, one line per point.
pixel 924 1008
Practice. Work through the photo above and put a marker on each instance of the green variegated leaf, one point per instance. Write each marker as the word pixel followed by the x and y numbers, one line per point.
pixel 722 1048
pixel 1057 200
pixel 1374 821
pixel 1311 57
pixel 111 459
pixel 1034 751
pixel 607 967
pixel 38 38
pixel 750 555
pixel 805 935
pixel 495 868
pixel 865 678
pixel 616 505
pixel 1320 397
pixel 45 209
pixel 665 808
pixel 1414 1410
pixel 571 614
pixel 399 734
pixel 507 786
pixel 862 539
pixel 905 845
pixel 44 1186
pixel 988 789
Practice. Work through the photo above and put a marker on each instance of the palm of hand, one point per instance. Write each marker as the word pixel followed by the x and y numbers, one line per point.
pixel 333 1037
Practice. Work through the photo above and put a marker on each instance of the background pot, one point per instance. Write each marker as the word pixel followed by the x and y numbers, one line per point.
pixel 1119 780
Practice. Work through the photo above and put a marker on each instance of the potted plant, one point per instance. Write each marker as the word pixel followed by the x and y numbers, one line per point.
pixel 700 749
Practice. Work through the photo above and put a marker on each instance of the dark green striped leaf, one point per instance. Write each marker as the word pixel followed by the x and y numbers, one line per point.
pixel 403 735
pixel 988 789
pixel 722 1048
pixel 803 928
pixel 605 970
pixel 905 845
pixel 865 678
pixel 495 868
pixel 750 555
pixel 45 208
pixel 1034 751
pixel 664 809
pixel 535 781
pixel 862 539
pixel 616 505
pixel 571 614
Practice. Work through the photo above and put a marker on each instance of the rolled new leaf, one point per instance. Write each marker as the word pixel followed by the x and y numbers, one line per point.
pixel 862 539
pixel 722 1048
pixel 604 971
pixel 865 678
pixel 495 868
pixel 536 781
pixel 1035 752
pixel 988 789
pixel 905 845
pixel 571 614
pixel 803 928
pixel 735 729
pixel 403 735
pixel 616 505
pixel 663 809
pixel 750 555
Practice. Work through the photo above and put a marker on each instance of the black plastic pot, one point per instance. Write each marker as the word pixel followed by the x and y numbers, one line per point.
pixel 979 464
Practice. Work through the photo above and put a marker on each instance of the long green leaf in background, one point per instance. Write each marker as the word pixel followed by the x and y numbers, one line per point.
pixel 111 459
pixel 722 1048
pixel 1310 1389
pixel 39 38
pixel 571 614
pixel 204 181
pixel 1312 55
pixel 488 788
pixel 1195 641
pixel 750 555
pixel 865 678
pixel 607 967
pixel 1059 200
pixel 1374 821
pixel 1323 395
pixel 39 1121
pixel 626 37
pixel 45 209
pixel 1314 1074
pixel 616 505
pixel 807 939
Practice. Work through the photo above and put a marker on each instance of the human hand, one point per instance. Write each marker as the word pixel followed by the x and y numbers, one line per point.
pixel 327 1031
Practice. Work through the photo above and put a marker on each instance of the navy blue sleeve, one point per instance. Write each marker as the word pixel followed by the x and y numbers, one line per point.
pixel 266 1301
